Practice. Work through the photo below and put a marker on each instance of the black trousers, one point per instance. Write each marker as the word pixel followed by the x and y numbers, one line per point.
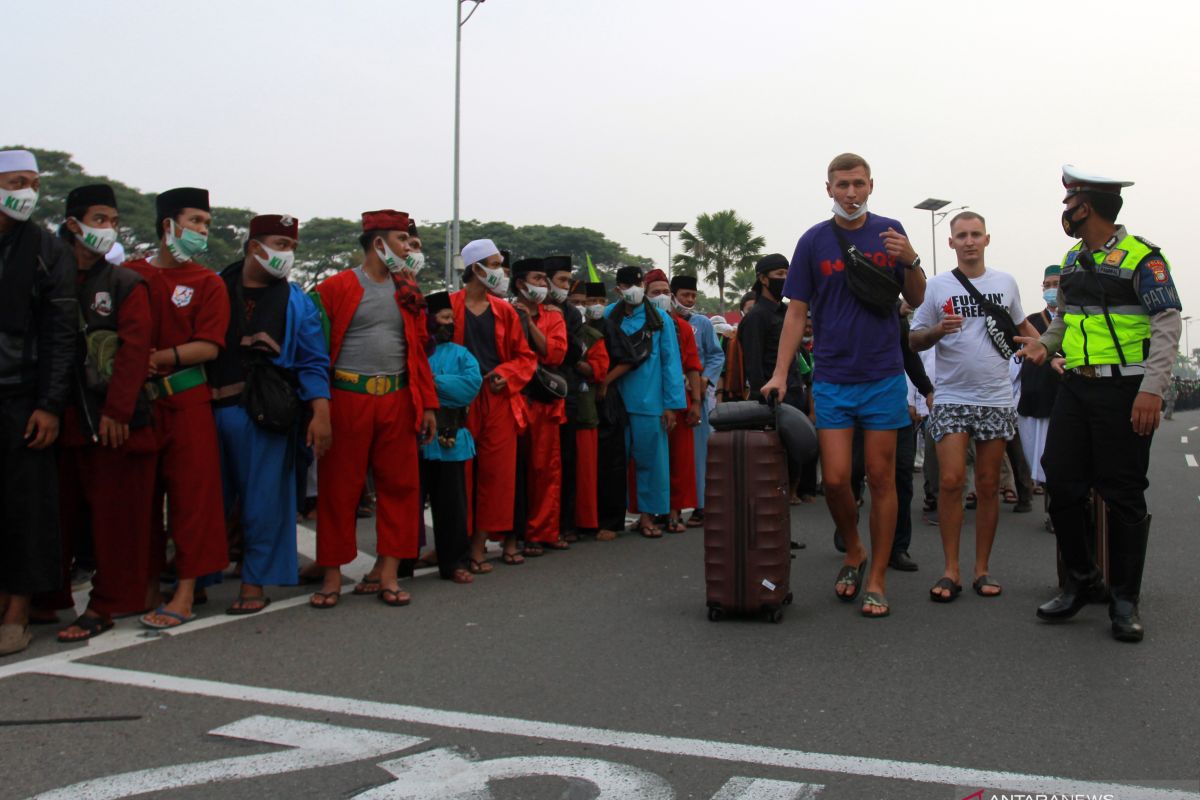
pixel 567 446
pixel 1091 444
pixel 30 548
pixel 906 457
pixel 1022 476
pixel 446 482
pixel 611 485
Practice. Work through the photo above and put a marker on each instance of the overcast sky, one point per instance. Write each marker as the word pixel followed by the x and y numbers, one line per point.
pixel 615 114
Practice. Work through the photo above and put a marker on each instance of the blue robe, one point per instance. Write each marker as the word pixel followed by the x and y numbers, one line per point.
pixel 457 379
pixel 258 466
pixel 654 387
pixel 713 359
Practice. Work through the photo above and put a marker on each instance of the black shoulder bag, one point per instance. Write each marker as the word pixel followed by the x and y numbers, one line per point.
pixel 873 287
pixel 1000 327
pixel 269 395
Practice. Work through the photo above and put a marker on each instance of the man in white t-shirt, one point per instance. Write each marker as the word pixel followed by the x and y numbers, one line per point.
pixel 973 396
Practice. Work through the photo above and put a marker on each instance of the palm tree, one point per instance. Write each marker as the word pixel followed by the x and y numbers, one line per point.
pixel 740 282
pixel 722 246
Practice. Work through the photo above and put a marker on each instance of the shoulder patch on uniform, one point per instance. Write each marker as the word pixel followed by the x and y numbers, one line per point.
pixel 1071 256
pixel 1159 268
pixel 1115 258
pixel 1147 242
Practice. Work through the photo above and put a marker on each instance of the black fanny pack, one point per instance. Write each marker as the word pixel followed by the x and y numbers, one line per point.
pixel 269 396
pixel 874 288
pixel 1000 327
pixel 547 386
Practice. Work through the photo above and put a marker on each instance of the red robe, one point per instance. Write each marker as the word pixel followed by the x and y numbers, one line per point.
pixel 587 450
pixel 496 418
pixel 372 431
pixel 544 456
pixel 682 438
pixel 188 303
pixel 110 491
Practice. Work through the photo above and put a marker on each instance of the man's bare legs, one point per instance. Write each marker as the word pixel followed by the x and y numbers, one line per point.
pixel 879 449
pixel 952 460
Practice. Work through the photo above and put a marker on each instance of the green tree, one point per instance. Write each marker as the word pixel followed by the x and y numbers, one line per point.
pixel 740 282
pixel 327 244
pixel 722 246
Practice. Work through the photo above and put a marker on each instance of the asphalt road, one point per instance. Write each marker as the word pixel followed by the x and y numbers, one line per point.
pixel 599 666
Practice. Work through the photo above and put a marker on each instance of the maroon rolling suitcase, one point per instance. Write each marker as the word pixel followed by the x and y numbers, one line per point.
pixel 747 525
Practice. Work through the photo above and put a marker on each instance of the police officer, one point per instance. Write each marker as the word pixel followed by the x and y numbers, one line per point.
pixel 1119 330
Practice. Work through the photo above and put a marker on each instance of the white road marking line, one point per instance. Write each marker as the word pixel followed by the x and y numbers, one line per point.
pixel 1183 440
pixel 1191 460
pixel 1194 428
pixel 445 775
pixel 600 737
pixel 314 745
pixel 767 789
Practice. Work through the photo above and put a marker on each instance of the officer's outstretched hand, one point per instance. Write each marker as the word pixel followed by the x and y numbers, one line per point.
pixel 1032 349
pixel 1146 413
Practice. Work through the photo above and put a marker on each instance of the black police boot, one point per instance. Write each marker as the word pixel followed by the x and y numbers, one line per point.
pixel 1128 546
pixel 1082 582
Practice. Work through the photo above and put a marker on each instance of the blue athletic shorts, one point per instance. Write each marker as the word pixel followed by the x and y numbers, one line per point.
pixel 873 406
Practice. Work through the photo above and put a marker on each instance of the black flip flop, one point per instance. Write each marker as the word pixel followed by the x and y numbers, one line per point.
pixel 325 606
pixel 850 576
pixel 986 580
pixel 234 611
pixel 396 600
pixel 875 600
pixel 91 626
pixel 955 590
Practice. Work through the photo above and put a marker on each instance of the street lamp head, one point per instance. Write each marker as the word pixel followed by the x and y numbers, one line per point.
pixel 932 204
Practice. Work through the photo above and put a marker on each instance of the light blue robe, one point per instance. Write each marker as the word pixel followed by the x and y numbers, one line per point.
pixel 655 386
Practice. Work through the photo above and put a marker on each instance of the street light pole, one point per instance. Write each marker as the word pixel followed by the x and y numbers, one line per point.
pixel 455 242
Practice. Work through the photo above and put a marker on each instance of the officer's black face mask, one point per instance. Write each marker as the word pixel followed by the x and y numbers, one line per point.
pixel 1071 225
pixel 444 333
pixel 775 286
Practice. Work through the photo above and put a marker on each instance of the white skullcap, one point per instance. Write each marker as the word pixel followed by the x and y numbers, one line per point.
pixel 478 250
pixel 116 255
pixel 17 161
pixel 717 319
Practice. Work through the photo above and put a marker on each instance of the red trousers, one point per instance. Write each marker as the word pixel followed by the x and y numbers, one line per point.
pixel 376 431
pixel 587 462
pixel 110 493
pixel 543 473
pixel 189 471
pixel 682 441
pixel 492 476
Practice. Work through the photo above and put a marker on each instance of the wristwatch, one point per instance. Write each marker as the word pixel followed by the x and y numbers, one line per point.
pixel 916 263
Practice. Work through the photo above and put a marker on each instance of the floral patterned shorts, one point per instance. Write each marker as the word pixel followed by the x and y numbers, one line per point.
pixel 982 423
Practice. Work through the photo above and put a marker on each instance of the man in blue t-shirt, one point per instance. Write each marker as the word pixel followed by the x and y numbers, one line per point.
pixel 858 375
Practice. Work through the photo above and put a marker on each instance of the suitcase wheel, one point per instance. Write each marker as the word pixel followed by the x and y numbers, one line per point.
pixel 787 601
pixel 715 614
pixel 775 615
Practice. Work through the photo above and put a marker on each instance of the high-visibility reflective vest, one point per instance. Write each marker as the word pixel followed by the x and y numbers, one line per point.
pixel 1100 307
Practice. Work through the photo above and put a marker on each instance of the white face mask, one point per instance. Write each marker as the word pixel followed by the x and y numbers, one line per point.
pixel 19 204
pixel 535 294
pixel 494 280
pixel 390 260
pixel 595 311
pixel 98 240
pixel 841 212
pixel 633 295
pixel 278 263
pixel 558 294
pixel 662 302
pixel 415 261
pixel 684 311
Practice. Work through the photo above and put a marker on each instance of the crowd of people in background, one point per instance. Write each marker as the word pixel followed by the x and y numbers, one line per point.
pixel 161 420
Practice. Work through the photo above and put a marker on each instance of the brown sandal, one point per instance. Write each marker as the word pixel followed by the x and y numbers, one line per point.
pixel 326 597
pixel 399 597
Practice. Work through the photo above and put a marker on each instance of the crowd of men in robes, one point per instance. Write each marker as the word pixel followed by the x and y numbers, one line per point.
pixel 167 415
